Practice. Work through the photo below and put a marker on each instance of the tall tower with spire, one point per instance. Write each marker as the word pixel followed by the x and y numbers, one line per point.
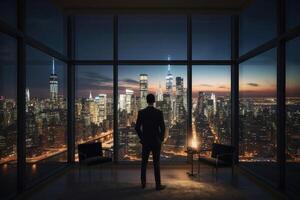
pixel 169 80
pixel 53 82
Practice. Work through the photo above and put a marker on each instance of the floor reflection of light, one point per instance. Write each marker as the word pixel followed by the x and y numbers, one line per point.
pixel 194 143
pixel 5 167
pixel 33 167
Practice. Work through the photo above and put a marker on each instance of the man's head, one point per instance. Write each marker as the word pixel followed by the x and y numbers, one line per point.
pixel 150 99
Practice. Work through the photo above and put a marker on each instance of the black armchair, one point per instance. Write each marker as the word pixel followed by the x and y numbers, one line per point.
pixel 92 154
pixel 221 156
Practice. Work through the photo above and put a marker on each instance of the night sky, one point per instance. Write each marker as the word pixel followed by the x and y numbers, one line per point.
pixel 147 38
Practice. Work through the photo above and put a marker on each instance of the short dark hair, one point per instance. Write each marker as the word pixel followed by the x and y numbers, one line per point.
pixel 150 98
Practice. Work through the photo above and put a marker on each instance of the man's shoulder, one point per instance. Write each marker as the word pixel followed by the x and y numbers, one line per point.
pixel 157 110
pixel 150 110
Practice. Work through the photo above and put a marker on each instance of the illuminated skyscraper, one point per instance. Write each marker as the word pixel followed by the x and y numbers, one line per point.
pixel 159 93
pixel 53 82
pixel 179 105
pixel 27 95
pixel 143 90
pixel 102 102
pixel 129 95
pixel 169 81
pixel 92 109
pixel 213 97
pixel 122 102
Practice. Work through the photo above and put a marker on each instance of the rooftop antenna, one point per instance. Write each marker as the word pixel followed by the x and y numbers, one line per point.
pixel 169 66
pixel 53 66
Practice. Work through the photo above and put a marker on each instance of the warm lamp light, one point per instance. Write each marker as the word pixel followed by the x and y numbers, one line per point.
pixel 33 167
pixel 194 143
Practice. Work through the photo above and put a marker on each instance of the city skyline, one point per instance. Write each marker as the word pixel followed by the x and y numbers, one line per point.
pixel 98 79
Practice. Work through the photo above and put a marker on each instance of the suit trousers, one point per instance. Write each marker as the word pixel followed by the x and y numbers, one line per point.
pixel 155 149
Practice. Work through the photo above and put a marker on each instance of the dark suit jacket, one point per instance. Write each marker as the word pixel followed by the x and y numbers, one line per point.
pixel 150 126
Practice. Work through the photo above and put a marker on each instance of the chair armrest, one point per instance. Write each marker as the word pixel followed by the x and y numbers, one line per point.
pixel 82 154
pixel 224 154
pixel 205 150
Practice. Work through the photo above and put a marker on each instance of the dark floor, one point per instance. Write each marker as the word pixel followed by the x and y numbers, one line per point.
pixel 122 182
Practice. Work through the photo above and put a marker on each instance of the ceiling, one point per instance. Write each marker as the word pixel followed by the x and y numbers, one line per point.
pixel 150 6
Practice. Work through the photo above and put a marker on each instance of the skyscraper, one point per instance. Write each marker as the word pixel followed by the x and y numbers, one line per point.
pixel 169 81
pixel 129 95
pixel 159 93
pixel 179 105
pixel 213 97
pixel 143 90
pixel 92 109
pixel 27 95
pixel 102 101
pixel 53 82
pixel 122 102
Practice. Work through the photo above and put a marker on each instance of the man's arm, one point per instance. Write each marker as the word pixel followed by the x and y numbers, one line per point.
pixel 162 126
pixel 138 125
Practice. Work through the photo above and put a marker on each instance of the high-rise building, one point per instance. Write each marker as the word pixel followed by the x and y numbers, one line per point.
pixel 122 102
pixel 53 82
pixel 27 95
pixel 102 102
pixel 128 100
pixel 159 93
pixel 143 90
pixel 179 103
pixel 169 81
pixel 213 97
pixel 92 109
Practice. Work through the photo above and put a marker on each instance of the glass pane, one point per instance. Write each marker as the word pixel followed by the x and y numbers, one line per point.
pixel 94 105
pixel 211 37
pixel 168 84
pixel 46 114
pixel 8 12
pixel 46 23
pixel 211 106
pixel 258 115
pixel 293 115
pixel 94 37
pixel 292 13
pixel 152 37
pixel 257 25
pixel 8 116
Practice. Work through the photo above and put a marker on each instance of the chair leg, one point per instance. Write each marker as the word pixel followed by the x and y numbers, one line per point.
pixel 79 172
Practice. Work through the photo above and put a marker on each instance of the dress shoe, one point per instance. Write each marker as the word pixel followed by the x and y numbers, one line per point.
pixel 160 187
pixel 143 185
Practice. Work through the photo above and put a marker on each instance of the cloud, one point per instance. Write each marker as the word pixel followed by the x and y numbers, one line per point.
pixel 206 85
pixel 92 76
pixel 223 87
pixel 253 84
pixel 130 81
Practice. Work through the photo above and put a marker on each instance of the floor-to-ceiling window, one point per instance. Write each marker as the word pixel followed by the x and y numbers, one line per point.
pixel 8 115
pixel 211 111
pixel 94 82
pixel 292 132
pixel 257 98
pixel 142 39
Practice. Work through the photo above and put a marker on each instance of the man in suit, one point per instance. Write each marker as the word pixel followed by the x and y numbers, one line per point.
pixel 150 127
